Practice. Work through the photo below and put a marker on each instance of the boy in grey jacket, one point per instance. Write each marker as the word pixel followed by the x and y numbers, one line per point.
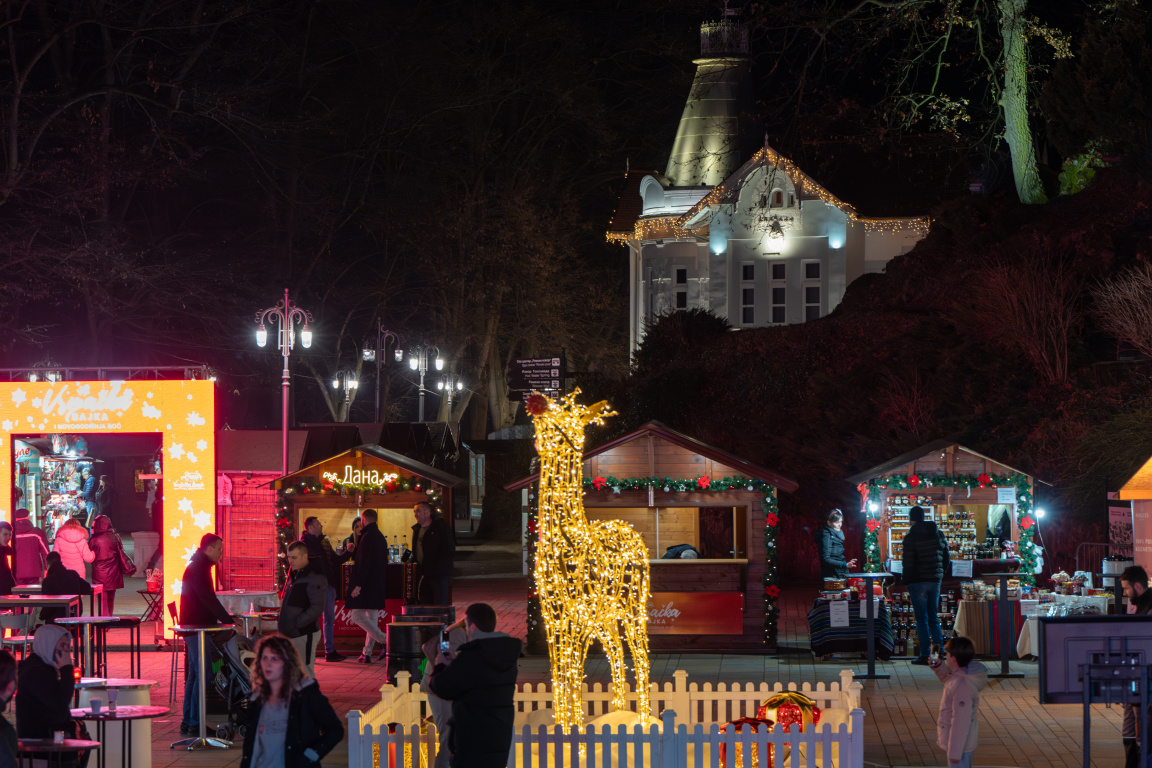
pixel 303 605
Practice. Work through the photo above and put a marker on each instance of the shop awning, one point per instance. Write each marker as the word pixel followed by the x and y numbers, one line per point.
pixel 1139 486
pixel 656 429
pixel 923 451
pixel 398 460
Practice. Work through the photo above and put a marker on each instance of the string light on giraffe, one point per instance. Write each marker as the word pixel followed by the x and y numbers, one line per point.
pixel 592 578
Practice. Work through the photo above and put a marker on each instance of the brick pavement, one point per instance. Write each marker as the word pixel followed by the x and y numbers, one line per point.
pixel 901 712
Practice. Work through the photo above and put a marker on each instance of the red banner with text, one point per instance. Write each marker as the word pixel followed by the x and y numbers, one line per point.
pixel 696 613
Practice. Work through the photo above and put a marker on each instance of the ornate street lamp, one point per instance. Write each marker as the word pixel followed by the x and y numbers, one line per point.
pixel 376 354
pixel 450 384
pixel 418 360
pixel 286 315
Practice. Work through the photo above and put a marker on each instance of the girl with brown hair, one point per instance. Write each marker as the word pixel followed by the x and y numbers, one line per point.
pixel 290 722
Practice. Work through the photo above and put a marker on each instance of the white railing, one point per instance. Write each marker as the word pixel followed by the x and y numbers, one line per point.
pixel 676 743
pixel 666 745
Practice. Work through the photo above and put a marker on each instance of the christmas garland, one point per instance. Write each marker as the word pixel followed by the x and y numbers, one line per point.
pixel 874 488
pixel 536 640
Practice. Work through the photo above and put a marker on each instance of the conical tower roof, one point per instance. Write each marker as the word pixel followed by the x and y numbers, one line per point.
pixel 709 144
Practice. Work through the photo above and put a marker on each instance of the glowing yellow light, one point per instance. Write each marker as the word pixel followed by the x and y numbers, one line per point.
pixel 592 577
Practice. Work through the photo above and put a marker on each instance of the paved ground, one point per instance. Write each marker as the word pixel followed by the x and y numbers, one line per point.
pixel 901 712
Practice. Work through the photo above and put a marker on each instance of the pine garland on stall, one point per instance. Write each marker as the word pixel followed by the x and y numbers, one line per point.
pixel 1025 520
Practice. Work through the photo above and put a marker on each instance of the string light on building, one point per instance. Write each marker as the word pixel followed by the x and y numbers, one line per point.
pixel 592 578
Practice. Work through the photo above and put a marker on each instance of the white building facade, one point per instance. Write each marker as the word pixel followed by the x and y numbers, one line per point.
pixel 755 241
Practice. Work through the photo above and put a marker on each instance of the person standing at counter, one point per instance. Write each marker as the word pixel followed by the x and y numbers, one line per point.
pixel 366 599
pixel 88 494
pixel 925 563
pixel 433 548
pixel 830 547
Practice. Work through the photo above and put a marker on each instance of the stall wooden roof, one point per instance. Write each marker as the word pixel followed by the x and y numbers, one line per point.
pixel 657 430
pixel 923 452
pixel 1139 486
pixel 383 454
pixel 258 450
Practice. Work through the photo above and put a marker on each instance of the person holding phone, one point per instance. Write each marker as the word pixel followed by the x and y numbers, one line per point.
pixel 443 645
pixel 45 686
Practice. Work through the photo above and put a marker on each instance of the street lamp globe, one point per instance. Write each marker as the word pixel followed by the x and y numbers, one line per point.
pixel 261 336
pixel 399 355
pixel 439 363
pixel 306 336
pixel 413 362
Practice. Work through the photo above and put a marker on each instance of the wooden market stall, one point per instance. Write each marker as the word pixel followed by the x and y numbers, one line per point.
pixel 337 489
pixel 678 492
pixel 984 508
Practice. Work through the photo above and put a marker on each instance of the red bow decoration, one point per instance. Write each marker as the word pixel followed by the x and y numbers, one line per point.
pixel 913 481
pixel 1026 523
pixel 872 525
pixel 536 404
pixel 772 591
pixel 703 482
pixel 283 522
pixel 983 479
pixel 772 519
pixel 599 483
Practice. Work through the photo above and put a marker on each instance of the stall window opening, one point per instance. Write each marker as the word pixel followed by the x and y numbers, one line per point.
pixel 716 533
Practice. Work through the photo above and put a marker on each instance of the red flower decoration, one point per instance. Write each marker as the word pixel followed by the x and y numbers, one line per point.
pixel 283 522
pixel 983 479
pixel 1026 523
pixel 872 525
pixel 536 404
pixel 772 591
pixel 772 519
pixel 703 482
pixel 599 483
pixel 913 481
pixel 391 487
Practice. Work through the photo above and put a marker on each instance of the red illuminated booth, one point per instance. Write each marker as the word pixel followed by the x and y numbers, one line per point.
pixel 337 489
pixel 675 490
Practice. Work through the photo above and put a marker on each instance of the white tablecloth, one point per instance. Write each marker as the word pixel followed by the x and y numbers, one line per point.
pixel 1028 644
pixel 237 601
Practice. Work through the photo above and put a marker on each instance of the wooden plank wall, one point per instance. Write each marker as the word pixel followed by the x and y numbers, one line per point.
pixel 667 460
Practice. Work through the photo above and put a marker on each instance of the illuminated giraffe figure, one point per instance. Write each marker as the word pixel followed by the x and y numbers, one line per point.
pixel 592 577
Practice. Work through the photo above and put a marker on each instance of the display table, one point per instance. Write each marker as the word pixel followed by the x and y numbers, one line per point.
pixel 827 639
pixel 238 601
pixel 1028 644
pixel 979 621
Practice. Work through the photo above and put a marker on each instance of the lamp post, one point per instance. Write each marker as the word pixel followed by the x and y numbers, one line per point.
pixel 418 358
pixel 376 354
pixel 450 383
pixel 347 381
pixel 285 313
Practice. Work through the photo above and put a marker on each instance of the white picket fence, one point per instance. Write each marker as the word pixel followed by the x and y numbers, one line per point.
pixel 389 735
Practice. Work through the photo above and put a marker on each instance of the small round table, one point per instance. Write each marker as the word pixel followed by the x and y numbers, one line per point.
pixel 87 622
pixel 203 740
pixel 257 617
pixel 124 714
pixel 129 692
pixel 237 601
pixel 30 749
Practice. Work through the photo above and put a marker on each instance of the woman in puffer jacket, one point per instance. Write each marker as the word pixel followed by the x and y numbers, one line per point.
pixel 106 545
pixel 72 544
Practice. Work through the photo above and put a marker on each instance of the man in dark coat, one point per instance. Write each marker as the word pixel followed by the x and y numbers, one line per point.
pixel 303 604
pixel 433 547
pixel 31 547
pixel 60 580
pixel 1134 582
pixel 366 585
pixel 481 684
pixel 324 561
pixel 830 547
pixel 925 563
pixel 199 606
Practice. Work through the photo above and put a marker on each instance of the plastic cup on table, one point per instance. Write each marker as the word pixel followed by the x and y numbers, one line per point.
pixel 96 705
pixel 112 699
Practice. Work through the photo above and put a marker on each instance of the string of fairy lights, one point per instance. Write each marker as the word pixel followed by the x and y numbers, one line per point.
pixel 727 191
pixel 591 579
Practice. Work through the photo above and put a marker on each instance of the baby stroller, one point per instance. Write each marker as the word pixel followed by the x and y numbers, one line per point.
pixel 233 683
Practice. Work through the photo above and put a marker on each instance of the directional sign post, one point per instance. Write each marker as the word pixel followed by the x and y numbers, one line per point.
pixel 542 374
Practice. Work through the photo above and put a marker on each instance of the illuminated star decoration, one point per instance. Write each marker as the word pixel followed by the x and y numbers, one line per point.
pixel 184 505
pixel 19 397
pixel 592 578
pixel 150 411
pixel 176 450
pixel 175 532
pixel 195 419
pixel 201 445
pixel 191 457
pixel 177 587
pixel 202 519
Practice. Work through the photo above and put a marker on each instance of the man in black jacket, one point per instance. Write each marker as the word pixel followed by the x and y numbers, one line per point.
pixel 366 586
pixel 925 563
pixel 199 606
pixel 60 580
pixel 303 604
pixel 324 561
pixel 481 683
pixel 434 547
pixel 1134 582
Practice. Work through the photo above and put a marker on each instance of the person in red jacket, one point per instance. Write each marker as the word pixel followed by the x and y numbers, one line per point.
pixel 106 570
pixel 31 550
